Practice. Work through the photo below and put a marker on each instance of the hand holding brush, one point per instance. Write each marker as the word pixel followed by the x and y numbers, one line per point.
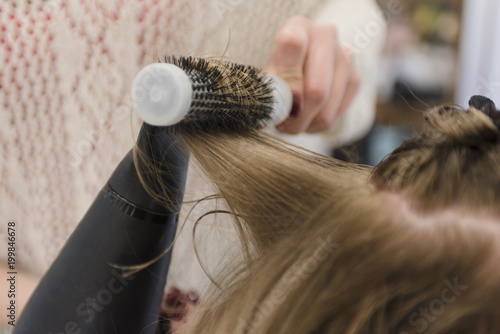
pixel 320 81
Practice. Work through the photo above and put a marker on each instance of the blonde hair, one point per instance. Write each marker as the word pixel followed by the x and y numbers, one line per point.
pixel 333 247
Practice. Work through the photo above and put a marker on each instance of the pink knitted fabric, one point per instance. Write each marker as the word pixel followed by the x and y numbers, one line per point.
pixel 65 75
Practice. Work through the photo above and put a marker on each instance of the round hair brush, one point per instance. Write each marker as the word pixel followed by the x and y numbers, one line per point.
pixel 110 275
pixel 195 94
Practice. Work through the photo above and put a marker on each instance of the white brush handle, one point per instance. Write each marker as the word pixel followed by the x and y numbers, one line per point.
pixel 161 95
pixel 283 100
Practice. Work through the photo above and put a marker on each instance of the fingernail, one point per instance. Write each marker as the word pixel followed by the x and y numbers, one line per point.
pixel 193 296
pixel 296 109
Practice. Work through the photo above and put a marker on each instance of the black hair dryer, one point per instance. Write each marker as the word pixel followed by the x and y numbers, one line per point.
pixel 84 291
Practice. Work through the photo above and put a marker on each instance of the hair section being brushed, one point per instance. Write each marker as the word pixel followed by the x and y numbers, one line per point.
pixel 262 179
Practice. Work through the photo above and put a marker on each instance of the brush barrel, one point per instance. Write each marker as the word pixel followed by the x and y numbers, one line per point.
pixel 162 94
pixel 83 292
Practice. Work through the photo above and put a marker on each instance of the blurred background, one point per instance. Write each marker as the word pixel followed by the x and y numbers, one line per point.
pixel 436 52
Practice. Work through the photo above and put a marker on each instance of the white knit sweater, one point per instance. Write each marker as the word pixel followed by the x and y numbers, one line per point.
pixel 65 75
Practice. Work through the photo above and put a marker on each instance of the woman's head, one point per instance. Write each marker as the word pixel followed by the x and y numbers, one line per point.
pixel 410 246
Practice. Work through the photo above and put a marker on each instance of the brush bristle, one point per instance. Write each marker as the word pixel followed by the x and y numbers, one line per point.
pixel 227 97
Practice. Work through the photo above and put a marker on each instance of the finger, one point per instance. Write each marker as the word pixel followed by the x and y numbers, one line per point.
pixel 289 54
pixel 325 118
pixel 351 91
pixel 318 76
